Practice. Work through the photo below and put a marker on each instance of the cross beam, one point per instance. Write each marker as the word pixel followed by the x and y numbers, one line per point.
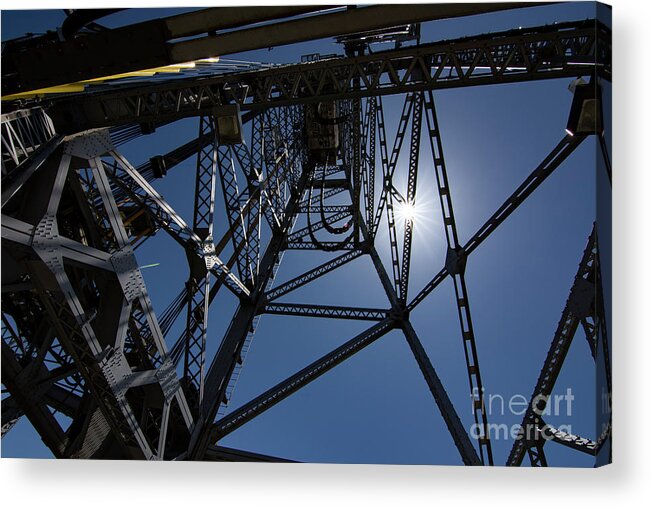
pixel 549 52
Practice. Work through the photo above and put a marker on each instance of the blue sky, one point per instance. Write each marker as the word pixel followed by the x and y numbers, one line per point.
pixel 375 407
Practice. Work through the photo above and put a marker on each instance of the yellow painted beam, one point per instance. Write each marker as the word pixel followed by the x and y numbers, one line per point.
pixel 80 86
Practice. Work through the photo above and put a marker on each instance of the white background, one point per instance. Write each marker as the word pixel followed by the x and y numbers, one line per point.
pixel 627 481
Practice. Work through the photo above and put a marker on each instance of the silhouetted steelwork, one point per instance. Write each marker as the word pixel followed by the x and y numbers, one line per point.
pixel 581 309
pixel 80 336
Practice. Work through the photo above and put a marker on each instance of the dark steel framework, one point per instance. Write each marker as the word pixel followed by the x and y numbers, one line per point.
pixel 80 336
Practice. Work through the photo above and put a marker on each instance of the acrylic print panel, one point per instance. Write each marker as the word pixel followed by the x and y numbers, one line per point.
pixel 308 234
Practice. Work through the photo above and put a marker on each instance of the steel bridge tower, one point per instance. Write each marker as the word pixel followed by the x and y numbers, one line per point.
pixel 309 143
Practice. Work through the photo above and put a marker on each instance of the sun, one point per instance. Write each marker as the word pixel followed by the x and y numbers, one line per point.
pixel 407 211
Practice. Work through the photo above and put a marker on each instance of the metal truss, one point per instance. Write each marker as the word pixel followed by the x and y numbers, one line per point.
pixel 57 60
pixel 414 151
pixel 455 264
pixel 317 272
pixel 582 304
pixel 563 50
pixel 125 176
pixel 103 355
pixel 198 285
pixel 24 132
pixel 333 312
pixel 28 139
pixel 79 334
pixel 564 148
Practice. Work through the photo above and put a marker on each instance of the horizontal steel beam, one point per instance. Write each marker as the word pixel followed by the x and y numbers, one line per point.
pixel 562 50
pixel 225 30
pixel 330 246
pixel 335 208
pixel 20 232
pixel 141 46
pixel 350 21
pixel 331 312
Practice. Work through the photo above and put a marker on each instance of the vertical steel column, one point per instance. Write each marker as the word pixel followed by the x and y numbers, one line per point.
pixel 455 263
pixel 251 196
pixel 372 128
pixel 389 165
pixel 199 281
pixel 414 151
pixel 274 173
pixel 258 158
pixel 227 356
pixel 386 196
pixel 356 169
pixel 231 194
